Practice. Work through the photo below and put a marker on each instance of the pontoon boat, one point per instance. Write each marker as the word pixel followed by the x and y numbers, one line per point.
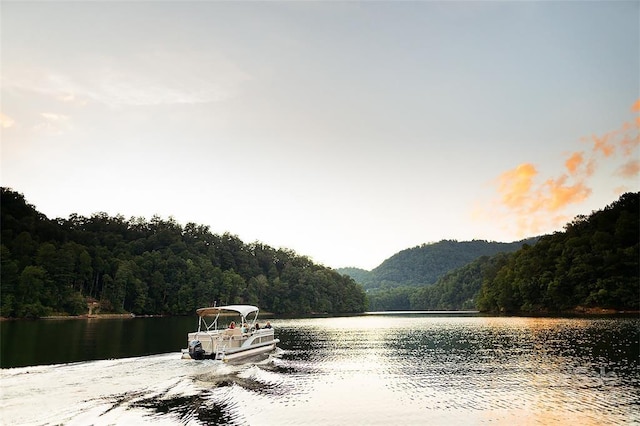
pixel 232 333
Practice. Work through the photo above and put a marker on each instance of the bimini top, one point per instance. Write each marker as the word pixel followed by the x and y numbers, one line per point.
pixel 243 310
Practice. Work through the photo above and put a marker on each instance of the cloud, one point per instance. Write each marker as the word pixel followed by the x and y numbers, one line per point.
pixel 557 194
pixel 531 204
pixel 619 190
pixel 629 143
pixel 6 121
pixel 629 170
pixel 574 162
pixel 71 98
pixel 54 123
pixel 142 79
pixel 520 192
pixel 515 185
pixel 49 116
pixel 604 144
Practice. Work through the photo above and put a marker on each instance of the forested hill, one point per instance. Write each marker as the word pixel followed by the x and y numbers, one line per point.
pixel 151 267
pixel 425 264
pixel 595 262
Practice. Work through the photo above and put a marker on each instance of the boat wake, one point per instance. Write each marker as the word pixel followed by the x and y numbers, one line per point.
pixel 162 389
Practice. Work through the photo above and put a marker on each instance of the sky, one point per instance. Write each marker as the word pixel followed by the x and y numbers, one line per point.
pixel 345 131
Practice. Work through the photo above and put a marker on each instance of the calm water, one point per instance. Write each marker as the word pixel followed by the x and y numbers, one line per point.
pixel 40 342
pixel 370 369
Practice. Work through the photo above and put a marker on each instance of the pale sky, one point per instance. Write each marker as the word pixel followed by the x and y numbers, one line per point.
pixel 346 131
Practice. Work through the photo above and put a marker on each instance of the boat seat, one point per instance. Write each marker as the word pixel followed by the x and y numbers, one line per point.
pixel 233 332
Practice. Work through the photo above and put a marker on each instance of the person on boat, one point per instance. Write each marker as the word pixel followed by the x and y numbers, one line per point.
pixel 257 326
pixel 268 325
pixel 244 328
pixel 232 325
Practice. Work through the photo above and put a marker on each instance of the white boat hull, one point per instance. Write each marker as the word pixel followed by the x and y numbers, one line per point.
pixel 248 352
pixel 236 355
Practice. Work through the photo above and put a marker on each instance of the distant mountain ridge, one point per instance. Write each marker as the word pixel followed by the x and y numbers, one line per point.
pixel 425 264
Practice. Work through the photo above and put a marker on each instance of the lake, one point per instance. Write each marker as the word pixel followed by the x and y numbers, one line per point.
pixel 369 369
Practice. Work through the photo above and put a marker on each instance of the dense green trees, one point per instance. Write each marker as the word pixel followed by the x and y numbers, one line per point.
pixel 456 290
pixel 425 264
pixel 593 263
pixel 152 267
pixel 459 288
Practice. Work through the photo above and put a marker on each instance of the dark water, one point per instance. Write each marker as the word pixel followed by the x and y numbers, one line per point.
pixel 370 369
pixel 41 342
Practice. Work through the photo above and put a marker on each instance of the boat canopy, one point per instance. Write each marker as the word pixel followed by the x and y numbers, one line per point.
pixel 243 310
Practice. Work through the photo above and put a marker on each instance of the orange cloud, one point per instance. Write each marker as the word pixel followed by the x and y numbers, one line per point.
pixel 604 144
pixel 629 170
pixel 591 168
pixel 574 162
pixel 559 194
pixel 516 184
pixel 629 143
pixel 626 137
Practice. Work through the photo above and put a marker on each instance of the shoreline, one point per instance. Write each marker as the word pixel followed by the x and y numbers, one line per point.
pixel 85 317
pixel 578 311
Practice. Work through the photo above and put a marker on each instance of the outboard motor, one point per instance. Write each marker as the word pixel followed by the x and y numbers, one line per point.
pixel 195 349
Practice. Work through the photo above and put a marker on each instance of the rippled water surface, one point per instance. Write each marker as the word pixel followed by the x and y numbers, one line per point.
pixel 372 369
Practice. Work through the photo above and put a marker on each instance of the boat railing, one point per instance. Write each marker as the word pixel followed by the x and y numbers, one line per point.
pixel 207 326
pixel 213 345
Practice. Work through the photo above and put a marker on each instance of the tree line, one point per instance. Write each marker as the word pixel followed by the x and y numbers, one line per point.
pixel 152 267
